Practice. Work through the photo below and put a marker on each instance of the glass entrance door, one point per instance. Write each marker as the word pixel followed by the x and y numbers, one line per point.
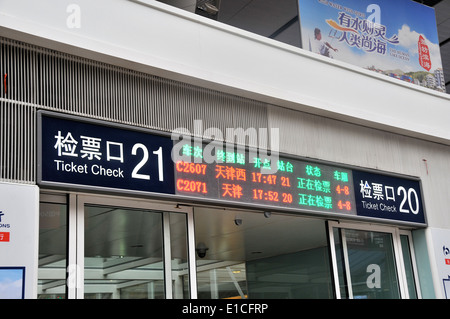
pixel 369 263
pixel 131 249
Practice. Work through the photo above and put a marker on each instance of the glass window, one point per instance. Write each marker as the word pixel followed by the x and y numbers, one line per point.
pixel 256 255
pixel 52 250
pixel 369 270
pixel 123 253
pixel 298 275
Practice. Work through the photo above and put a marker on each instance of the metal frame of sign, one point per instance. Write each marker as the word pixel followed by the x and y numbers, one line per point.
pixel 189 199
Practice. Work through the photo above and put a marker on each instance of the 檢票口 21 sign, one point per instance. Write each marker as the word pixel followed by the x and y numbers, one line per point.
pixel 397 38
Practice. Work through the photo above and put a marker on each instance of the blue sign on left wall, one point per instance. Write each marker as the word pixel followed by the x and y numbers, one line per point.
pixel 88 153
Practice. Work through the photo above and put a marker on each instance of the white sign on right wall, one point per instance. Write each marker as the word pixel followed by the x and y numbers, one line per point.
pixel 441 240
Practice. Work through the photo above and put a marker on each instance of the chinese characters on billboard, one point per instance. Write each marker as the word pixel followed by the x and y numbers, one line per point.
pixel 396 38
pixel 87 154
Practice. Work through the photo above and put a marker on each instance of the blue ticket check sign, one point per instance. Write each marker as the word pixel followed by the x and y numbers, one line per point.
pixel 90 154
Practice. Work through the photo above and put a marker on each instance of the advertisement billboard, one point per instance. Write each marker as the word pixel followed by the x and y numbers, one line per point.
pixel 396 38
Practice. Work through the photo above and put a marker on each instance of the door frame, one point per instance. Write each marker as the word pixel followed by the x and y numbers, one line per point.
pixel 398 256
pixel 76 229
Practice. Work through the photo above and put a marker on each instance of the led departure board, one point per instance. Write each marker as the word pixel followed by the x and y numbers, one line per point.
pixel 95 155
pixel 282 182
